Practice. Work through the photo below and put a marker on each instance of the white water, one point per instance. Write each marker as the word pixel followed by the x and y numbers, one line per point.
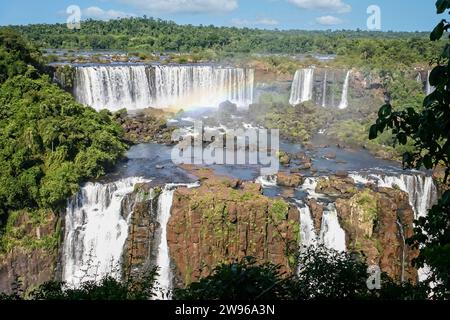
pixel 324 93
pixel 164 279
pixel 344 99
pixel 95 232
pixel 138 86
pixel 308 235
pixel 421 190
pixel 430 88
pixel 113 87
pixel 267 181
pixel 331 233
pixel 302 86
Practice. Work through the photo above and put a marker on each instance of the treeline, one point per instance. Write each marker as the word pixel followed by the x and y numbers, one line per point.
pixel 154 35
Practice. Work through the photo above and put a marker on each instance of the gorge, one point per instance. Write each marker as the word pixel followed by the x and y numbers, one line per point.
pixel 150 212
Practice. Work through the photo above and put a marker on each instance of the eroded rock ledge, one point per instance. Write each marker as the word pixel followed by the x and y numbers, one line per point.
pixel 225 220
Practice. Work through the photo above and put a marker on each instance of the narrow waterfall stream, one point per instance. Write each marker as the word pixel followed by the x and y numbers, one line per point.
pixel 164 279
pixel 344 99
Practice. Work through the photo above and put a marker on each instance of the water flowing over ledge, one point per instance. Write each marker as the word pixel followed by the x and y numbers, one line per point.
pixel 95 232
pixel 321 86
pixel 162 86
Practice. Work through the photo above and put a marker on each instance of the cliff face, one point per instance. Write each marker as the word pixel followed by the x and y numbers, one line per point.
pixel 31 254
pixel 223 221
pixel 141 245
pixel 376 224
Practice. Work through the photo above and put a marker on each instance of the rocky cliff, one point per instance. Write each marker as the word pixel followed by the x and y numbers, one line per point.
pixel 225 220
pixel 376 222
pixel 30 251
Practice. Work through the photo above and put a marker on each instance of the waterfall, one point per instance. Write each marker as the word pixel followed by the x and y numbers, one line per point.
pixel 164 279
pixel 344 99
pixel 421 190
pixel 267 181
pixel 161 86
pixel 308 235
pixel 302 86
pixel 95 232
pixel 113 87
pixel 429 88
pixel 402 234
pixel 324 93
pixel 331 233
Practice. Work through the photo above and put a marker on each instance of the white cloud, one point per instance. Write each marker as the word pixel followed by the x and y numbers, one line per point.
pixel 257 22
pixel 184 6
pixel 326 5
pixel 328 20
pixel 99 13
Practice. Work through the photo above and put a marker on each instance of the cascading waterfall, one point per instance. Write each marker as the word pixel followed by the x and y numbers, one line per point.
pixel 421 190
pixel 324 93
pixel 302 86
pixel 331 233
pixel 164 279
pixel 402 234
pixel 318 85
pixel 267 181
pixel 113 87
pixel 139 86
pixel 429 89
pixel 96 231
pixel 308 235
pixel 344 99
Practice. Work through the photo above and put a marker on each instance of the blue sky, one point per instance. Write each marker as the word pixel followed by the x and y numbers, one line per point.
pixel 396 15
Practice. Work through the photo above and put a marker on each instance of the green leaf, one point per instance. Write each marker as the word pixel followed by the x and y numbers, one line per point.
pixel 446 52
pixel 385 111
pixel 441 5
pixel 428 162
pixel 438 31
pixel 402 138
pixel 373 133
pixel 437 74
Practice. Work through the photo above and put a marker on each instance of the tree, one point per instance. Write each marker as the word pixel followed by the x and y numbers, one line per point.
pixel 429 129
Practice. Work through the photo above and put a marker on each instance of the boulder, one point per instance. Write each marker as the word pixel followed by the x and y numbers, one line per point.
pixel 292 180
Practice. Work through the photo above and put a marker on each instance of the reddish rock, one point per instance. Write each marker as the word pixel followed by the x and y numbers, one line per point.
pixel 372 223
pixel 316 210
pixel 285 179
pixel 216 223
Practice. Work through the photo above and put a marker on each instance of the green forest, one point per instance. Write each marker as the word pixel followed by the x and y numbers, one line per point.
pixel 49 143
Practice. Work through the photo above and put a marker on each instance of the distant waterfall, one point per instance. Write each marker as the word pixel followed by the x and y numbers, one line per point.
pixel 161 86
pixel 324 93
pixel 321 86
pixel 344 99
pixel 164 279
pixel 308 235
pixel 95 232
pixel 302 86
pixel 429 88
pixel 113 87
pixel 421 190
pixel 331 234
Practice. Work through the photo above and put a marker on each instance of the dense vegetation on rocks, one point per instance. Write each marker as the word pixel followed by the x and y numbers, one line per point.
pixel 48 142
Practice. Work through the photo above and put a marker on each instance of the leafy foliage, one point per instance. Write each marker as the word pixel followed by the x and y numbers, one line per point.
pixel 244 280
pixel 429 129
pixel 48 142
pixel 108 288
pixel 323 274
